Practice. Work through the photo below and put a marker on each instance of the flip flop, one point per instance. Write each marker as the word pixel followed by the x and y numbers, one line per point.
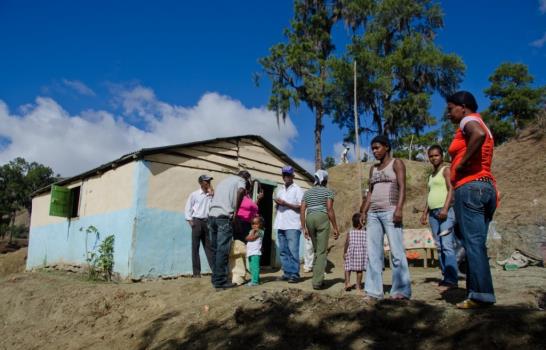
pixel 348 288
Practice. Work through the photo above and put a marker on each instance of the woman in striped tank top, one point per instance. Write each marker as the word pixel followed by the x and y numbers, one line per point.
pixel 382 212
pixel 316 214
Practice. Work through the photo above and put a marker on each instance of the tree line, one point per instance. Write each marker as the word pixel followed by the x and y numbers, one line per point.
pixel 18 180
pixel 398 68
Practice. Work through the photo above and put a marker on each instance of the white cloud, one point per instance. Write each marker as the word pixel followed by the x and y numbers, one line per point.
pixel 539 42
pixel 44 132
pixel 307 164
pixel 79 87
pixel 542 6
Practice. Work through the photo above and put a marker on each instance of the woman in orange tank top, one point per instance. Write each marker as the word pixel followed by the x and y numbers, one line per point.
pixel 471 153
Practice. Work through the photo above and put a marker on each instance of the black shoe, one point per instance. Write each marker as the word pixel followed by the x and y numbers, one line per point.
pixel 318 287
pixel 283 278
pixel 225 286
pixel 196 276
pixel 293 280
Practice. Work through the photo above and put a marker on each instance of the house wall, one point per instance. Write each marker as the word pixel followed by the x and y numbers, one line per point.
pixel 106 202
pixel 162 245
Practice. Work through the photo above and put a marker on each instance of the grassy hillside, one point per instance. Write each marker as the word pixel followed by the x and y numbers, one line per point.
pixel 343 180
pixel 520 169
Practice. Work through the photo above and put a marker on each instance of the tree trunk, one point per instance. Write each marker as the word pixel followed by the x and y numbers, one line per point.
pixel 318 138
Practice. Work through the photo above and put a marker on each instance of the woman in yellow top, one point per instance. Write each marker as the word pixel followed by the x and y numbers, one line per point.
pixel 440 215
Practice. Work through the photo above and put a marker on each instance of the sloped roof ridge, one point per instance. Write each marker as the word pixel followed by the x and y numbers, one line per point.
pixel 126 158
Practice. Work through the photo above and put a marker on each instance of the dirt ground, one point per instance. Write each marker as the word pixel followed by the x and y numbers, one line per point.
pixel 61 310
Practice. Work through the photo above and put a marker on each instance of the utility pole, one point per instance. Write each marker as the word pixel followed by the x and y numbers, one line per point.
pixel 357 136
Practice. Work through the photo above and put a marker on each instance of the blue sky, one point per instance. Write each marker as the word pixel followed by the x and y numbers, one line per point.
pixel 82 82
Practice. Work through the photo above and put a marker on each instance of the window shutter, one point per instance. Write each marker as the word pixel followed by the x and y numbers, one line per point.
pixel 60 201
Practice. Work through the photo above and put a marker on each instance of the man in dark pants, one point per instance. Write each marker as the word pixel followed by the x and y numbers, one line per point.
pixel 223 207
pixel 197 212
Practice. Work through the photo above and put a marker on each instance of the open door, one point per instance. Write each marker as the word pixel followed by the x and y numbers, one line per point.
pixel 265 208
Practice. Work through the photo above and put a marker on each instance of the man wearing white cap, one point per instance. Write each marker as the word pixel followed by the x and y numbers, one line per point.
pixel 197 213
pixel 288 225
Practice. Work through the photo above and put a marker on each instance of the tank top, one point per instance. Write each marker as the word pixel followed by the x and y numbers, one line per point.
pixel 437 190
pixel 480 164
pixel 384 188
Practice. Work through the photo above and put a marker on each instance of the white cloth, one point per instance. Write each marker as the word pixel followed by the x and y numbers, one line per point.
pixel 197 205
pixel 308 254
pixel 286 218
pixel 254 247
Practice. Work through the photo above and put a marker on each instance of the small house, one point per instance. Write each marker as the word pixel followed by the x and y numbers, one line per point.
pixel 140 198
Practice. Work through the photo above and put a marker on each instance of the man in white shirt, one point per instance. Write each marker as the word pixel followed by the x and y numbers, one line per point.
pixel 197 213
pixel 288 225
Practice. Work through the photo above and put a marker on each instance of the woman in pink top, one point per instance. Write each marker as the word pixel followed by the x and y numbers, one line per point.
pixel 247 211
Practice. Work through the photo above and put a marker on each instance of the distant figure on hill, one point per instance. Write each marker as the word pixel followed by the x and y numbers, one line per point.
pixel 345 154
pixel 476 196
pixel 382 213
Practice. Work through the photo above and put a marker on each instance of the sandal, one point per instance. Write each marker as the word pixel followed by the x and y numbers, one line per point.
pixel 348 288
pixel 471 304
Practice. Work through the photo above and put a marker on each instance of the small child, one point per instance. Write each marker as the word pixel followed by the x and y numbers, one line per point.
pixel 355 253
pixel 254 249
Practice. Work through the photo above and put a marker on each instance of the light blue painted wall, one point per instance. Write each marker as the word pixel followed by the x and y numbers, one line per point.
pixel 68 242
pixel 162 239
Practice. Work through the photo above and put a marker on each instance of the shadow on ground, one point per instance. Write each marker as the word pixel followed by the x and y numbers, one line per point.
pixel 294 319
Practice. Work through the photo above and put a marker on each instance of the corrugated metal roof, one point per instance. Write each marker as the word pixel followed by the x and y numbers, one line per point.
pixel 157 150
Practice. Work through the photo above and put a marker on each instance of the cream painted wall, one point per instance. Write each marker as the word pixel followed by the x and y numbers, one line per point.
pixel 111 191
pixel 170 186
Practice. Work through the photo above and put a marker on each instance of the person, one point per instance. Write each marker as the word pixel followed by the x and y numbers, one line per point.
pixel 247 210
pixel 355 254
pixel 345 154
pixel 474 185
pixel 382 215
pixel 287 223
pixel 226 201
pixel 316 214
pixel 196 213
pixel 254 249
pixel 237 256
pixel 441 216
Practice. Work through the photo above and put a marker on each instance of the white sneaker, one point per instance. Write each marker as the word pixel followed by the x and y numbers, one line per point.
pixel 305 269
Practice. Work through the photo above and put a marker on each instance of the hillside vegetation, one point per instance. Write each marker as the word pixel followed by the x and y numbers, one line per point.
pixel 520 168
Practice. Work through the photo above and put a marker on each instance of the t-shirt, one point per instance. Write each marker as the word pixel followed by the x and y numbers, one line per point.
pixel 479 165
pixel 286 218
pixel 316 198
pixel 255 247
pixel 247 210
pixel 224 200
pixel 437 190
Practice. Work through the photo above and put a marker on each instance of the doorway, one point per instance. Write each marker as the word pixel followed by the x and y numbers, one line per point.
pixel 265 208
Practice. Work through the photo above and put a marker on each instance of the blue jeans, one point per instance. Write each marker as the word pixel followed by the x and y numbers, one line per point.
pixel 446 244
pixel 289 246
pixel 475 204
pixel 379 224
pixel 221 235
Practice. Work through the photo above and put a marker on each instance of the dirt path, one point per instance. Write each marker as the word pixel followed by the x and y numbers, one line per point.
pixel 55 310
